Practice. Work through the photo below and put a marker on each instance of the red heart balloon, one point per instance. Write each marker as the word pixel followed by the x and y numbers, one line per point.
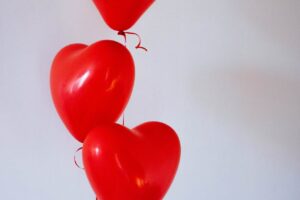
pixel 137 164
pixel 120 15
pixel 91 84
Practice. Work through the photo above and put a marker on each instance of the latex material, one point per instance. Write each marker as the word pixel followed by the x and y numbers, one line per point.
pixel 91 84
pixel 137 164
pixel 121 15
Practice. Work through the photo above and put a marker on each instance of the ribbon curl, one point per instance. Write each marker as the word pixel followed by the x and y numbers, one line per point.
pixel 139 45
pixel 74 158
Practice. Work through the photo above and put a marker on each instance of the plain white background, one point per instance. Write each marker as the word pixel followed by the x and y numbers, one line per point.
pixel 224 73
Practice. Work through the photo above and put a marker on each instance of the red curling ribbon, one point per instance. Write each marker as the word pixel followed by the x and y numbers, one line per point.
pixel 138 46
pixel 123 119
pixel 75 161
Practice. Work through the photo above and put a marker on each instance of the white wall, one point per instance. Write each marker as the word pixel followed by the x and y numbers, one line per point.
pixel 225 74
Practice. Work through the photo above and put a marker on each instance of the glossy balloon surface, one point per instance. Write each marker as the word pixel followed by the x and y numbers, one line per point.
pixel 137 164
pixel 121 15
pixel 91 85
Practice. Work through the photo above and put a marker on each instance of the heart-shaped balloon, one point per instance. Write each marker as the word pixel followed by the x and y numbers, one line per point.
pixel 137 164
pixel 120 15
pixel 91 84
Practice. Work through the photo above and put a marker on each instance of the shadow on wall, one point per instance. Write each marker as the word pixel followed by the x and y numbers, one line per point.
pixel 257 104
pixel 275 19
